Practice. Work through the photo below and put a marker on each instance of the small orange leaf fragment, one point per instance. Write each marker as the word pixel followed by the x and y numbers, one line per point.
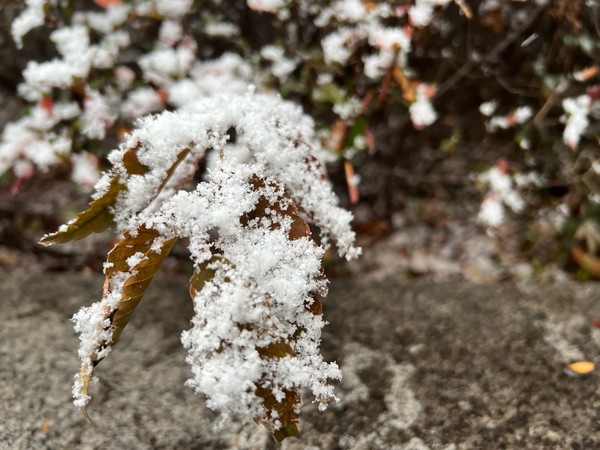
pixel 408 87
pixel 107 3
pixel 45 425
pixel 580 368
pixel 369 4
pixel 371 142
pixel 351 182
pixel 464 9
pixel 588 262
pixel 163 95
pixel 337 135
pixel 586 74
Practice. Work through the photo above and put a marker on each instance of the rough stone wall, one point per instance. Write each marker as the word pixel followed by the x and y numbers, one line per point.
pixel 427 366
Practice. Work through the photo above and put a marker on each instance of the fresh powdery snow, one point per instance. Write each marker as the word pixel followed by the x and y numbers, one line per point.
pixel 263 274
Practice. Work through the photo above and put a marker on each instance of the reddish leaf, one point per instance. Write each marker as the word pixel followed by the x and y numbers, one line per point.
pixel 351 183
pixel 107 3
pixel 47 104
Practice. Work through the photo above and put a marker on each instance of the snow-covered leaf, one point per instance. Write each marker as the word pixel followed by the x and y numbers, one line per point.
pixel 98 217
pixel 119 260
pixel 130 267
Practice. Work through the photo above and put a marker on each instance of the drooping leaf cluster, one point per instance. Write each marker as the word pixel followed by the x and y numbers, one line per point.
pixel 254 340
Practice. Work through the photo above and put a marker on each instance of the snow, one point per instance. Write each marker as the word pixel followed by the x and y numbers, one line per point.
pixel 32 17
pixel 136 259
pixel 502 193
pixel 226 74
pixel 421 13
pixel 31 138
pixel 124 76
pixel 47 152
pixel 422 113
pixel 488 108
pixel 140 102
pixel 71 41
pixel 377 64
pixel 55 73
pixel 264 278
pixel 492 212
pixel 105 54
pixel 23 169
pixel 173 8
pixel 267 5
pixel 523 114
pixel 518 116
pixel 98 115
pixel 106 21
pixel 350 108
pixel 338 46
pixel 352 11
pixel 257 281
pixel 170 32
pixel 222 29
pixel 85 169
pixel 281 66
pixel 164 64
pixel 577 110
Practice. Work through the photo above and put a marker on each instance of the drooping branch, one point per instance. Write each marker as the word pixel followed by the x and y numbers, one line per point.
pixel 254 341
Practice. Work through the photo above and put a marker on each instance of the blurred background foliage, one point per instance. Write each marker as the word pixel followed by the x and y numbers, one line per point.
pixel 495 72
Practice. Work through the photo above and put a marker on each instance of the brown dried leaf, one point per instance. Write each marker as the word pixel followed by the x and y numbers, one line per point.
pixel 180 157
pixel 201 275
pixel 587 262
pixel 286 410
pixel 134 287
pixel 98 217
pixel 132 163
pixel 95 219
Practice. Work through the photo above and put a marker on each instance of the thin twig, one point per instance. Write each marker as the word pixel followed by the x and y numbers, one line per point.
pixel 554 97
pixel 512 89
pixel 499 48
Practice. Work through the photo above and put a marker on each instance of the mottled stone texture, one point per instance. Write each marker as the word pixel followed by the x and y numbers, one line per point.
pixel 439 366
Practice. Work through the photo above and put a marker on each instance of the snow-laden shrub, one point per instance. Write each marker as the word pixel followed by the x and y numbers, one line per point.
pixel 354 64
pixel 254 341
pixel 103 79
pixel 531 67
pixel 94 90
pixel 347 60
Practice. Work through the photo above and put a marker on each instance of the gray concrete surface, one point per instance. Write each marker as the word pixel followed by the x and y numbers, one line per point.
pixel 438 366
